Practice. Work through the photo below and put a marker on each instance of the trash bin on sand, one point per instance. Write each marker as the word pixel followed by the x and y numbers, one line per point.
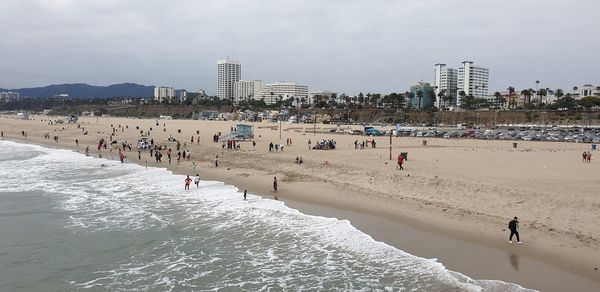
pixel 514 145
pixel 424 142
pixel 405 154
pixel 178 130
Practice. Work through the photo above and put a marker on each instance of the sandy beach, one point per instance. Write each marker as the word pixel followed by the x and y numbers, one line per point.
pixel 453 200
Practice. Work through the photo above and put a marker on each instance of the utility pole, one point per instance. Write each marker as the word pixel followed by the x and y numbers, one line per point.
pixel 390 144
pixel 315 125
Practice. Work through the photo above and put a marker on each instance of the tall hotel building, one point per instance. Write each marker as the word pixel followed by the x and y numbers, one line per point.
pixel 246 90
pixel 445 80
pixel 229 72
pixel 164 93
pixel 270 93
pixel 473 80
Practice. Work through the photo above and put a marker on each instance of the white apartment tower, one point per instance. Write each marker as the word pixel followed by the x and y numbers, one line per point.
pixel 161 93
pixel 246 89
pixel 228 72
pixel 473 80
pixel 445 80
pixel 284 90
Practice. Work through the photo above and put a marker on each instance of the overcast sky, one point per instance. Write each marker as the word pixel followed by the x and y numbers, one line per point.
pixel 340 45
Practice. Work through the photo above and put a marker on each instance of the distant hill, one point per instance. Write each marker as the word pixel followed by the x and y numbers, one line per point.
pixel 82 90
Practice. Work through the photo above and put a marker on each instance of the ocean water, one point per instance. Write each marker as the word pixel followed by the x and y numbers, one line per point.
pixel 70 222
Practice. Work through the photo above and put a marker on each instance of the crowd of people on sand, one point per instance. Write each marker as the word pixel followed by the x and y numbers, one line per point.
pixel 587 156
pixel 325 145
pixel 232 144
pixel 365 144
pixel 275 147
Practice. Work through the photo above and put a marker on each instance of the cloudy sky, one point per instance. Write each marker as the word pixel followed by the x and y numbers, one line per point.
pixel 341 45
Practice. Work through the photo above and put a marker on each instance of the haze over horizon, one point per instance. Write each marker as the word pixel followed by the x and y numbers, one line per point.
pixel 344 46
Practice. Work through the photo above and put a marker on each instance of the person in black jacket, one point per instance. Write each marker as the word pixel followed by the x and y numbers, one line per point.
pixel 513 225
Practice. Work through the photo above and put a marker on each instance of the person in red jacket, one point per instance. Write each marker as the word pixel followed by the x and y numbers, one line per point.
pixel 400 162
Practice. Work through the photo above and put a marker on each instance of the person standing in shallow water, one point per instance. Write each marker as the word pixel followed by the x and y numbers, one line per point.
pixel 188 180
pixel 245 193
pixel 275 183
pixel 513 225
pixel 197 180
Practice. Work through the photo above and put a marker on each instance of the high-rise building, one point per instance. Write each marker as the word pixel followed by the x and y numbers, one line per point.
pixel 423 95
pixel 473 80
pixel 446 81
pixel 228 72
pixel 246 89
pixel 270 93
pixel 161 93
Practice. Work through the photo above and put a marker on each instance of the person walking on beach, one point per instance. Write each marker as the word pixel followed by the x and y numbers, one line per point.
pixel 309 144
pixel 400 161
pixel 275 183
pixel 197 180
pixel 245 194
pixel 188 180
pixel 513 225
pixel 217 161
pixel 589 156
pixel 584 156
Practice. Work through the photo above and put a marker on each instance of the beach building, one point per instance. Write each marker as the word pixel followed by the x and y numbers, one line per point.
pixel 590 90
pixel 164 93
pixel 446 80
pixel 423 94
pixel 473 80
pixel 283 90
pixel 246 90
pixel 228 72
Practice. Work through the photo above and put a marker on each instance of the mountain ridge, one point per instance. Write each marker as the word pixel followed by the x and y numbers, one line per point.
pixel 84 90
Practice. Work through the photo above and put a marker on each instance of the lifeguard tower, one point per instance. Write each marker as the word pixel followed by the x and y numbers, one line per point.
pixel 242 132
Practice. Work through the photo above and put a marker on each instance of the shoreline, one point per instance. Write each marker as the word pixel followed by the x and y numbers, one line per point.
pixel 423 220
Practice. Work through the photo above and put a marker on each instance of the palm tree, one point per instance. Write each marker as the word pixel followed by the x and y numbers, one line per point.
pixel 537 84
pixel 511 91
pixel 559 93
pixel 542 93
pixel 442 96
pixel 410 97
pixel 462 94
pixel 498 96
pixel 419 97
pixel 527 93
